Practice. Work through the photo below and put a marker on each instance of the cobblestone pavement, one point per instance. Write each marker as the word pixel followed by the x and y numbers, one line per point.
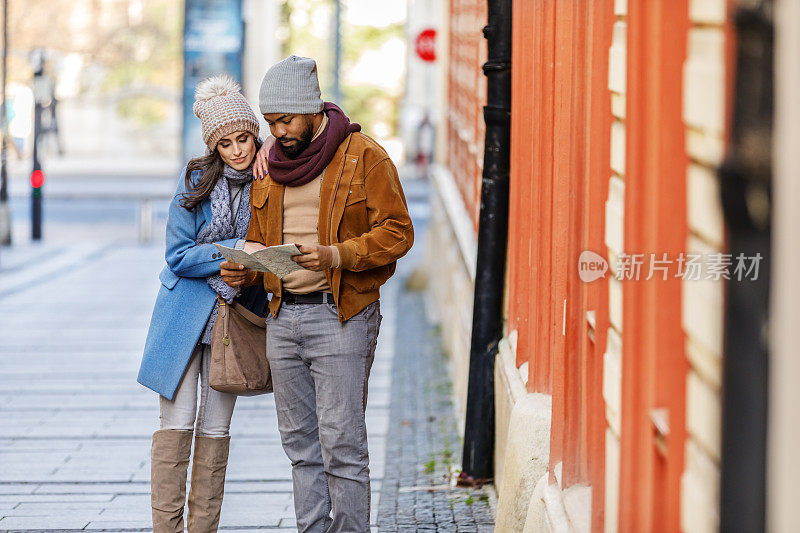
pixel 76 427
pixel 423 447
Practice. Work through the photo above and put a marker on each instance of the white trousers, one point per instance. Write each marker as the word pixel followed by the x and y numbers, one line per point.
pixel 216 408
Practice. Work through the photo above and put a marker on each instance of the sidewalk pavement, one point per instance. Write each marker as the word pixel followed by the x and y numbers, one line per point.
pixel 74 450
pixel 423 448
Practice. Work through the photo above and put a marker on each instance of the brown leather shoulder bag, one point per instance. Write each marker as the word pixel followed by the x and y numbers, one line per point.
pixel 239 352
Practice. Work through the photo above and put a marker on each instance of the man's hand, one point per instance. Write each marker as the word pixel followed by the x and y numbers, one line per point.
pixel 260 162
pixel 233 274
pixel 315 257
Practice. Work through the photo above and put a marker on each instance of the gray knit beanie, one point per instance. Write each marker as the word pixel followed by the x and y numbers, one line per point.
pixel 291 86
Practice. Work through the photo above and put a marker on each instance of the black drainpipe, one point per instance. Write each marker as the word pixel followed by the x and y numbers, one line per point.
pixel 487 314
pixel 746 187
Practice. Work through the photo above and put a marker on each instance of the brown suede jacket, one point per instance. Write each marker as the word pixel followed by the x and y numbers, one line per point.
pixel 362 211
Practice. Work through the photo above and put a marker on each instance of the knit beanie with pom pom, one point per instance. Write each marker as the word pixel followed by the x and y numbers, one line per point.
pixel 222 109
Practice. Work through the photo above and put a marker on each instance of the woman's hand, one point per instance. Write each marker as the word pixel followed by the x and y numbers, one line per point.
pixel 260 162
pixel 233 274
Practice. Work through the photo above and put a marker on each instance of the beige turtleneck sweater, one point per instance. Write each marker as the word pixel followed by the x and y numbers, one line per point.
pixel 300 216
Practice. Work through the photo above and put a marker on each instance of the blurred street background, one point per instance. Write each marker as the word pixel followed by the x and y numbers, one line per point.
pixel 115 79
pixel 542 145
pixel 103 88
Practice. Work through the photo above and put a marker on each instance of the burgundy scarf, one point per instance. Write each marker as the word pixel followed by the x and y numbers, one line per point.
pixel 313 160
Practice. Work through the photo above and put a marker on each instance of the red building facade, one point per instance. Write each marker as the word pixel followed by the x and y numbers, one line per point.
pixel 607 392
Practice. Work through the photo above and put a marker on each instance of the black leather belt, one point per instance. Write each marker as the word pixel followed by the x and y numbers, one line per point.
pixel 317 297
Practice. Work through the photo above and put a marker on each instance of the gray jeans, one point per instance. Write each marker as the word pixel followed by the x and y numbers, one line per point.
pixel 320 368
pixel 216 408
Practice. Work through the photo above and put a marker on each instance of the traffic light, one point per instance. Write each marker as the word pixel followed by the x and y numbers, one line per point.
pixel 37 179
pixel 37 176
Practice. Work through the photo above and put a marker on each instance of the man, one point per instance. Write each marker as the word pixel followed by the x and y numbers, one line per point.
pixel 334 192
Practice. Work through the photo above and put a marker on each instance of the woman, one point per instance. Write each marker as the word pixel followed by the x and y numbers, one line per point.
pixel 212 204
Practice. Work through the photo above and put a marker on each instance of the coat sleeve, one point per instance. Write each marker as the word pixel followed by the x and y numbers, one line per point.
pixel 184 257
pixel 391 233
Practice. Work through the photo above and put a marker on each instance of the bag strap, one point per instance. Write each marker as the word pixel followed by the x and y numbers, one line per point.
pixel 245 313
pixel 248 315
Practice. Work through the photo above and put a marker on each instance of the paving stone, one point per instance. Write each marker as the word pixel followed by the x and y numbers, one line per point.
pixel 42 523
pixel 120 525
pixel 422 444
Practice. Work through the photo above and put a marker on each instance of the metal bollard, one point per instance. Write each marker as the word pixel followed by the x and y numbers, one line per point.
pixel 145 221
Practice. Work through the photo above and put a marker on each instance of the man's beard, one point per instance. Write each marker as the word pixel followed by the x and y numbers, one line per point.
pixel 293 151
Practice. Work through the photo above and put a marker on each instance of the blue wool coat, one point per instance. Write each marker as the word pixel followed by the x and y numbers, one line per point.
pixel 185 300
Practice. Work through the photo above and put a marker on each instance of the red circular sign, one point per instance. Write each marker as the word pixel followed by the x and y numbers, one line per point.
pixel 426 45
pixel 37 179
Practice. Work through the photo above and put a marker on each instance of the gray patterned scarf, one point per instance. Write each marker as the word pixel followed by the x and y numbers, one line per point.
pixel 222 226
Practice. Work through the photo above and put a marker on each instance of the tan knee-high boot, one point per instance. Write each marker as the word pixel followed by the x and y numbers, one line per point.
pixel 169 461
pixel 209 464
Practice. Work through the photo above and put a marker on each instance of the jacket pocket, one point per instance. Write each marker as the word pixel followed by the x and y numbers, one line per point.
pixel 258 196
pixel 354 219
pixel 357 193
pixel 168 278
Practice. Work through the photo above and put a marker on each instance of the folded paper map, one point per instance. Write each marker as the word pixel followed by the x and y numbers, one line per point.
pixel 274 259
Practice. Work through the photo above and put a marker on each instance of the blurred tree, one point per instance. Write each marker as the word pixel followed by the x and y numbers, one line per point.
pixel 309 23
pixel 129 50
pixel 377 102
pixel 367 98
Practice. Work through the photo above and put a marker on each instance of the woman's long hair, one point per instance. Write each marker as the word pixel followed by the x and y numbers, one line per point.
pixel 212 166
